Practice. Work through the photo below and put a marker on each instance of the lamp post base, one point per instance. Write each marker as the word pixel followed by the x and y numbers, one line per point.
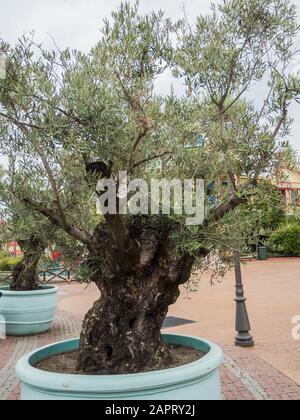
pixel 242 325
pixel 244 340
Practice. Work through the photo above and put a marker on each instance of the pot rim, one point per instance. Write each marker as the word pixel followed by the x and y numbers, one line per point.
pixel 44 290
pixel 105 384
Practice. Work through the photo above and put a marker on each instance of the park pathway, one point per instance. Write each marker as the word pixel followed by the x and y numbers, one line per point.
pixel 244 375
pixel 269 371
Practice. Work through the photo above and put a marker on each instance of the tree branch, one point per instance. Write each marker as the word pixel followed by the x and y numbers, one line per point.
pixel 280 123
pixel 20 124
pixel 55 219
pixel 132 102
pixel 232 201
pixel 25 129
pixel 141 162
pixel 53 186
pixel 140 137
pixel 232 179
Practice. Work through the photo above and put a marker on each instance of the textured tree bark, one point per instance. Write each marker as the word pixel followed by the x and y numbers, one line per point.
pixel 25 276
pixel 122 332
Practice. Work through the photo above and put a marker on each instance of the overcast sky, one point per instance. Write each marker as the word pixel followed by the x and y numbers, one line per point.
pixel 75 24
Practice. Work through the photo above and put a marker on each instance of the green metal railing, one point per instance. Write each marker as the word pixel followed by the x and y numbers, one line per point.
pixel 52 275
pixel 48 276
pixel 5 278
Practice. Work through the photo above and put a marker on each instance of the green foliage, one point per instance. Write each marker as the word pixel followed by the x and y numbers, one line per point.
pixel 3 254
pixel 293 218
pixel 62 111
pixel 261 216
pixel 8 263
pixel 286 240
pixel 268 207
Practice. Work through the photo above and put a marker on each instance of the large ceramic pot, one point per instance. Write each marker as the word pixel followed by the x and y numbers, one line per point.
pixel 28 313
pixel 199 380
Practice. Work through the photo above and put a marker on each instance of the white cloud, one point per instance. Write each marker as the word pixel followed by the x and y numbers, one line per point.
pixel 76 23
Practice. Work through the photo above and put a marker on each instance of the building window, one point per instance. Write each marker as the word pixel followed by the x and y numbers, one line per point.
pixel 295 198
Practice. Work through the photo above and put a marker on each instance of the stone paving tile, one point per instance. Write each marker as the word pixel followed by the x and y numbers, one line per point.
pixel 5 351
pixel 248 381
pixel 12 349
pixel 244 375
pixel 275 384
pixel 15 395
pixel 232 388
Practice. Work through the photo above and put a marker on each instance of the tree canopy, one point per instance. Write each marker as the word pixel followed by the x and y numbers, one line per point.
pixel 63 111
pixel 71 119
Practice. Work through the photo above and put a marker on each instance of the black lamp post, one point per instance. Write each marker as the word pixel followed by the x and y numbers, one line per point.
pixel 243 338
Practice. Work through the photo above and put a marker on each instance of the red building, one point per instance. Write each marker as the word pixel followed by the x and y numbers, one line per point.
pixel 289 186
pixel 12 248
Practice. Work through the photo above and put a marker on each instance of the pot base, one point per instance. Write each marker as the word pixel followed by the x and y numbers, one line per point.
pixel 199 380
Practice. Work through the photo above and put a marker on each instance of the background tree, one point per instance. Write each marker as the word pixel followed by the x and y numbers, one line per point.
pixel 33 233
pixel 29 229
pixel 73 119
pixel 262 215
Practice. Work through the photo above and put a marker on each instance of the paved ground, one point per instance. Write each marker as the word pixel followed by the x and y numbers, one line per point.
pixel 269 371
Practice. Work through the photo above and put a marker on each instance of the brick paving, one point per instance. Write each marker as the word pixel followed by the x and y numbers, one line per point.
pixel 269 371
pixel 244 375
pixel 65 327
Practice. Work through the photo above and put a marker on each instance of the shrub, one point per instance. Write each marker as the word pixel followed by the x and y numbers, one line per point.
pixel 8 263
pixel 3 254
pixel 293 218
pixel 262 215
pixel 286 240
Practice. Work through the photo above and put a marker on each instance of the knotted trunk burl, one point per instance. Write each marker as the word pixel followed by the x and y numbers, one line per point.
pixel 122 332
pixel 25 275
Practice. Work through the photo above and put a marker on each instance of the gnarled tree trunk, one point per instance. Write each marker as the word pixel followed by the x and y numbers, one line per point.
pixel 25 276
pixel 122 332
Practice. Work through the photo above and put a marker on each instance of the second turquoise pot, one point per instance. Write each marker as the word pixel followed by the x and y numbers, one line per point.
pixel 28 313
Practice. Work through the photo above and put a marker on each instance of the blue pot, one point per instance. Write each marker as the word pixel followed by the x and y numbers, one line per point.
pixel 195 381
pixel 28 313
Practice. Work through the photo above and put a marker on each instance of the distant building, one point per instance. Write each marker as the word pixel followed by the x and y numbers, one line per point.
pixel 12 248
pixel 289 186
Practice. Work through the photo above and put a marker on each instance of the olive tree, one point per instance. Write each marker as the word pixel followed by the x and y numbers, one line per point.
pixel 29 229
pixel 32 231
pixel 74 119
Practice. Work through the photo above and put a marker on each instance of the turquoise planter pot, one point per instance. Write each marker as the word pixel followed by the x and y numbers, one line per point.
pixel 28 313
pixel 196 381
